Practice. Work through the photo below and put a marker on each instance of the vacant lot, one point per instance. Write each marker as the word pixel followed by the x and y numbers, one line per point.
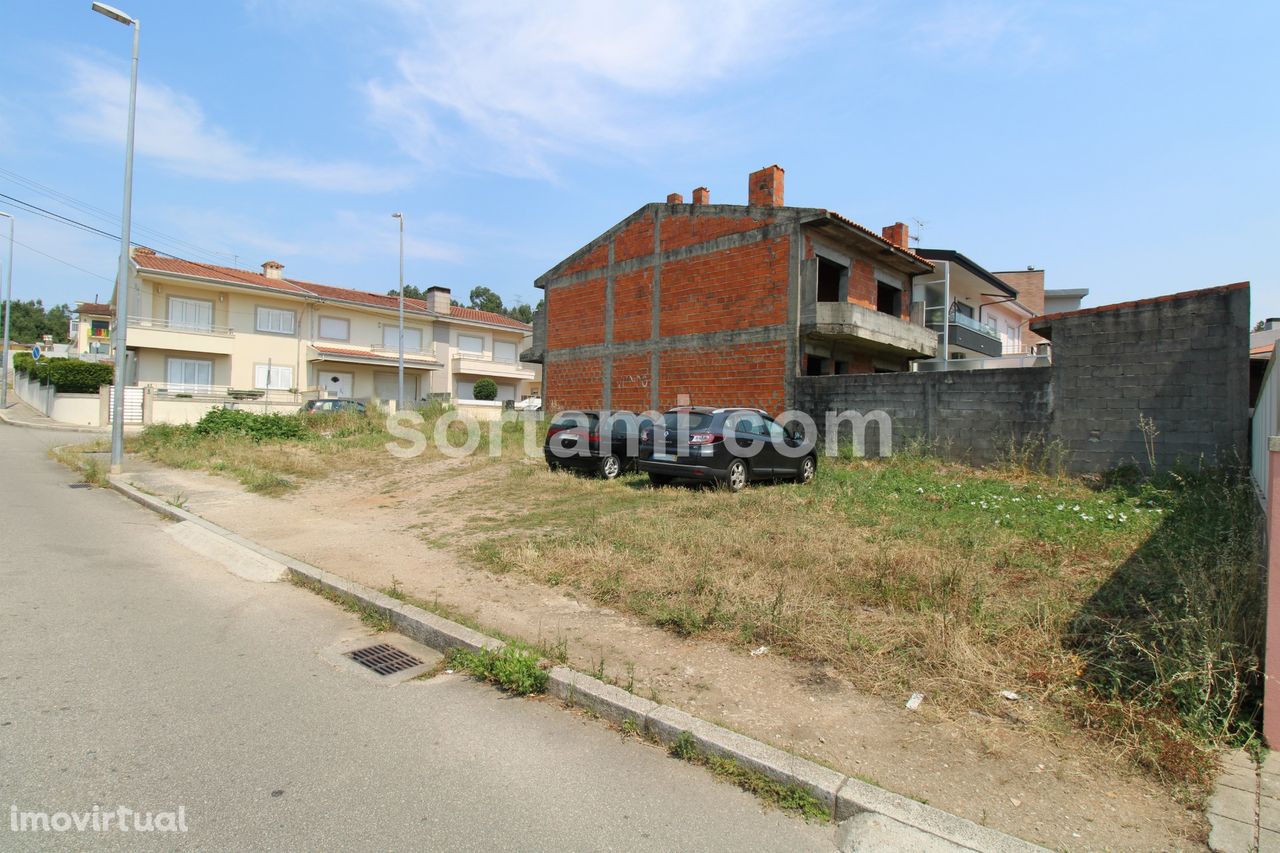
pixel 1128 609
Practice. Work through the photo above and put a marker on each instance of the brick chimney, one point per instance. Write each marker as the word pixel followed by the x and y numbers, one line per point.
pixel 764 188
pixel 273 269
pixel 898 234
pixel 438 299
pixel 702 195
pixel 675 198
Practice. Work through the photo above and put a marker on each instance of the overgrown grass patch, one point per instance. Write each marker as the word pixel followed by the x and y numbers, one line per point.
pixel 914 574
pixel 791 798
pixel 514 667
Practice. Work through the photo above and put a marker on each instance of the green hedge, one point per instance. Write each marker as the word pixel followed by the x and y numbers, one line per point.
pixel 72 376
pixel 485 389
pixel 68 375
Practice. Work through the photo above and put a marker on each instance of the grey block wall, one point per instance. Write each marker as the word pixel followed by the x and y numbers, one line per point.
pixel 1182 361
pixel 970 415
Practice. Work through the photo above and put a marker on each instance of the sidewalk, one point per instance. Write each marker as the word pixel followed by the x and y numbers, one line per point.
pixel 1244 811
pixel 19 414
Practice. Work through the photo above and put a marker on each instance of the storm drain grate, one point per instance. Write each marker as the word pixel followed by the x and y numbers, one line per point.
pixel 384 659
pixel 79 485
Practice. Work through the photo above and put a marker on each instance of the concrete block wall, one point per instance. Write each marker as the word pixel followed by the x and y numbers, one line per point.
pixel 971 415
pixel 1181 361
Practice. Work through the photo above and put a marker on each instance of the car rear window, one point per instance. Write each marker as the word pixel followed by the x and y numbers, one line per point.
pixel 694 420
pixel 575 420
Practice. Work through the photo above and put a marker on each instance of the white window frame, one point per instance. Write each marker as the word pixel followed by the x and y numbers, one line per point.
pixel 346 337
pixel 175 301
pixel 271 313
pixel 273 377
pixel 183 385
pixel 391 337
pixel 515 352
pixel 476 352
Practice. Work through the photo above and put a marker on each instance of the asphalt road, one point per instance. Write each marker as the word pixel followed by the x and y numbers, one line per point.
pixel 136 673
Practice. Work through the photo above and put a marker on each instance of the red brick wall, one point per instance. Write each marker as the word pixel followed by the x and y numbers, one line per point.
pixel 744 375
pixel 631 381
pixel 633 305
pixel 575 314
pixel 862 283
pixel 738 288
pixel 576 384
pixel 681 231
pixel 636 240
pixel 597 257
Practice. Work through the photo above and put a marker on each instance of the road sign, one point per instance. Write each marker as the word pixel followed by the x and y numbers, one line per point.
pixel 35 352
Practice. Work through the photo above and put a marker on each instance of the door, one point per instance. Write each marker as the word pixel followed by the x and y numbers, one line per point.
pixel 750 434
pixel 337 384
pixel 386 387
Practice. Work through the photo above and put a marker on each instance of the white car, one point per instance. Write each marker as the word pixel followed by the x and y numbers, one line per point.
pixel 529 404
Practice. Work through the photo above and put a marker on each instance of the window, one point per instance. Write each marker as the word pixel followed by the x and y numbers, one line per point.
pixel 276 321
pixel 189 374
pixel 747 423
pixel 412 338
pixel 471 343
pixel 815 365
pixel 888 299
pixel 194 314
pixel 964 310
pixel 272 377
pixel 504 351
pixel 833 281
pixel 335 329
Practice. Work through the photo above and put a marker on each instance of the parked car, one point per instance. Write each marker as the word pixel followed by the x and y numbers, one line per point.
pixel 728 446
pixel 329 405
pixel 529 404
pixel 590 441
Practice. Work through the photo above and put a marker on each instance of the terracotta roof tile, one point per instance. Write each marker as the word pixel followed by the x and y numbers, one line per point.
pixel 148 260
pixel 105 308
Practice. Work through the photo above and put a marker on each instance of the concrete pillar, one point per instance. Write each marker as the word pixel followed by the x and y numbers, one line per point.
pixel 1271 668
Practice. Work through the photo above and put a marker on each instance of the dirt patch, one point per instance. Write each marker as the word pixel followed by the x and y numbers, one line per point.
pixel 383 526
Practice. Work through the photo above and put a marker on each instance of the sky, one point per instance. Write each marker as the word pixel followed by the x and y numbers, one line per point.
pixel 1125 147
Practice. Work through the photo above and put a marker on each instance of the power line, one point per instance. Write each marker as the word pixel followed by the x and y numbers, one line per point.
pixel 61 261
pixel 49 214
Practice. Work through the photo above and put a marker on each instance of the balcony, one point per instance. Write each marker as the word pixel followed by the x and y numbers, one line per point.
pixel 850 321
pixel 968 333
pixel 484 365
pixel 155 333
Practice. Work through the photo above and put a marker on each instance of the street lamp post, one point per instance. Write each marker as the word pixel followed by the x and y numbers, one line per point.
pixel 400 363
pixel 122 277
pixel 8 297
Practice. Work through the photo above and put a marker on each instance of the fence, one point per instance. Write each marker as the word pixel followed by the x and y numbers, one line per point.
pixel 1266 423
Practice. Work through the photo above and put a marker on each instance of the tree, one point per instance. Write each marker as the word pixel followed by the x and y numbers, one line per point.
pixel 485 389
pixel 521 312
pixel 1260 325
pixel 484 299
pixel 410 292
pixel 30 321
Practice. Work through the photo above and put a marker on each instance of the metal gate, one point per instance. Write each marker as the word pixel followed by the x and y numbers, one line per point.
pixel 132 405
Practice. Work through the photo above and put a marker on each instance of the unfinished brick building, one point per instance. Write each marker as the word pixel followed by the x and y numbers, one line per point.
pixel 725 303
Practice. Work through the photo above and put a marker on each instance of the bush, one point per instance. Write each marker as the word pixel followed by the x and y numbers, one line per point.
pixel 513 668
pixel 71 376
pixel 23 363
pixel 268 427
pixel 485 389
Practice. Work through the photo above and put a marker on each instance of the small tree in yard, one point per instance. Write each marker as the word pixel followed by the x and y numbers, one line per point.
pixel 485 389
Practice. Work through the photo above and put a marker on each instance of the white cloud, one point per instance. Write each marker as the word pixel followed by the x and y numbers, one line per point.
pixel 509 86
pixel 959 32
pixel 172 128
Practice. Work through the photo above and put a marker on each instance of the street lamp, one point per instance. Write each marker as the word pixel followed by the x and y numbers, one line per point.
pixel 400 364
pixel 122 278
pixel 8 297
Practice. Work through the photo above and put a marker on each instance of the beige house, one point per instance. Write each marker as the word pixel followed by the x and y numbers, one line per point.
pixel 203 331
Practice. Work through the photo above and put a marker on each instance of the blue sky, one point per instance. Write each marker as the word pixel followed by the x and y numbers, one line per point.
pixel 1125 147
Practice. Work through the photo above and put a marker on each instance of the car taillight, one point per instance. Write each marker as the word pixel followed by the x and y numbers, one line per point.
pixel 552 430
pixel 697 439
pixel 593 439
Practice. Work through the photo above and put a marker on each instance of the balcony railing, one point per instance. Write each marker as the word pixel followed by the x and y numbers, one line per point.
pixel 428 351
pixel 190 328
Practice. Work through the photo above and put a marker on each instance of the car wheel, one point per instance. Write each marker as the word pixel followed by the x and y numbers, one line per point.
pixel 808 469
pixel 610 467
pixel 736 478
pixel 659 479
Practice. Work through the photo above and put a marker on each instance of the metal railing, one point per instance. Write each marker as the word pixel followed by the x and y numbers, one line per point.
pixel 382 350
pixel 190 328
pixel 933 319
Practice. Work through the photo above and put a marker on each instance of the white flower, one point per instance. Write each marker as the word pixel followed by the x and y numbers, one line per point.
pixel 1061 507
pixel 1076 508
pixel 1110 517
pixel 919 490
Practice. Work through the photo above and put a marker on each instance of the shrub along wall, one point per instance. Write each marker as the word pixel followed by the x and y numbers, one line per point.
pixel 66 375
